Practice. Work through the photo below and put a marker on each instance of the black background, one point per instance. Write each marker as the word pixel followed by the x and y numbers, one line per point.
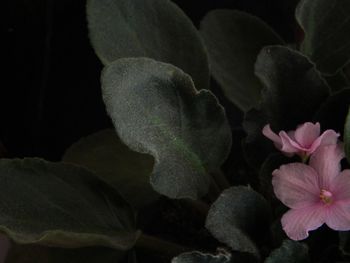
pixel 50 93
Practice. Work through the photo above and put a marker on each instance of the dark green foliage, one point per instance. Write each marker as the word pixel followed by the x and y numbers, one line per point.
pixel 115 163
pixel 156 29
pixel 294 89
pixel 156 109
pixel 236 215
pixel 233 40
pixel 62 205
pixel 327 29
pixel 289 252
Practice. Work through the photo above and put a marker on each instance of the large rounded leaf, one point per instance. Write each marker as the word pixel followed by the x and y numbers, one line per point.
pixel 289 252
pixel 115 163
pixel 154 28
pixel 198 257
pixel 236 215
pixel 62 205
pixel 294 89
pixel 233 40
pixel 156 109
pixel 327 28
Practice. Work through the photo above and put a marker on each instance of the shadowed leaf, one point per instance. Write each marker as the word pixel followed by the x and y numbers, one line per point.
pixel 156 29
pixel 233 40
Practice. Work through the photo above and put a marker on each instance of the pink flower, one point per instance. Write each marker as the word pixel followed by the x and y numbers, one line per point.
pixel 303 141
pixel 317 194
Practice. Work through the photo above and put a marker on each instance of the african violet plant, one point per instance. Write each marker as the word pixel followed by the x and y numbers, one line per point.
pixel 202 189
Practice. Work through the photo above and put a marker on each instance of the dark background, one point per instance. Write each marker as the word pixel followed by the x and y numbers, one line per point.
pixel 50 94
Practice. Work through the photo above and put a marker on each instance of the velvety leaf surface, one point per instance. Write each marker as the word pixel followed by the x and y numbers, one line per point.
pixel 238 213
pixel 327 29
pixel 333 111
pixel 154 28
pixel 198 257
pixel 112 161
pixel 294 89
pixel 233 40
pixel 289 252
pixel 62 205
pixel 156 109
pixel 346 136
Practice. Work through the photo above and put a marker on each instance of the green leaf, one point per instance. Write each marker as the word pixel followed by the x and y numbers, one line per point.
pixel 156 29
pixel 198 257
pixel 62 205
pixel 112 161
pixel 233 40
pixel 327 29
pixel 236 215
pixel 294 89
pixel 346 136
pixel 333 111
pixel 156 110
pixel 289 252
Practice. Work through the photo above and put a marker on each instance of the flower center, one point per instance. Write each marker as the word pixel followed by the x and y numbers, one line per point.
pixel 326 196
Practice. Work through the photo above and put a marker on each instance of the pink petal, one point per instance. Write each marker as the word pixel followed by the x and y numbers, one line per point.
pixel 340 186
pixel 288 144
pixel 326 162
pixel 307 133
pixel 272 136
pixel 338 216
pixel 298 222
pixel 329 137
pixel 296 185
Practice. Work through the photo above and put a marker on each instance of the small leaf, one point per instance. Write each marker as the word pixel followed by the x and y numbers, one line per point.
pixel 289 252
pixel 156 110
pixel 233 40
pixel 327 29
pixel 156 29
pixel 346 137
pixel 236 215
pixel 198 257
pixel 294 89
pixel 62 205
pixel 115 163
pixel 333 111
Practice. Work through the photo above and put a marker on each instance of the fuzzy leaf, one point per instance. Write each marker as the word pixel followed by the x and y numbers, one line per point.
pixel 115 163
pixel 294 89
pixel 289 252
pixel 327 29
pixel 62 205
pixel 233 40
pixel 236 215
pixel 198 257
pixel 156 109
pixel 156 29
